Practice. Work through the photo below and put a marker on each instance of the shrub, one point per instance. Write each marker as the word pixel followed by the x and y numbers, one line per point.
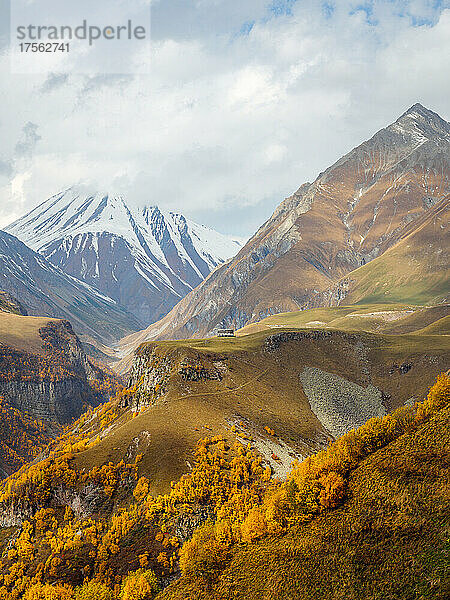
pixel 333 490
pixel 204 555
pixel 141 489
pixel 438 396
pixel 254 526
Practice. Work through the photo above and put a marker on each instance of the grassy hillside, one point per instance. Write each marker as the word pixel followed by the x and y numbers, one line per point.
pixel 22 332
pixel 237 387
pixel 386 539
pixel 439 327
pixel 376 318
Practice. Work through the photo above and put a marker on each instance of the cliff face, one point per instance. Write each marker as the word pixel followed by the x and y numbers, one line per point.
pixel 50 383
pixel 10 304
pixel 59 401
pixel 46 381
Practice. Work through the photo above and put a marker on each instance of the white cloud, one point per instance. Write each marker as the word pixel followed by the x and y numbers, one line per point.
pixel 226 125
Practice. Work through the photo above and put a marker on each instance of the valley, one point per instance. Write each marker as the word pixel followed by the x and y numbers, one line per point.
pixel 304 457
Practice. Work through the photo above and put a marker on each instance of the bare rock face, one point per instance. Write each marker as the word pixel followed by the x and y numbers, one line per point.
pixel 10 304
pixel 52 385
pixel 352 213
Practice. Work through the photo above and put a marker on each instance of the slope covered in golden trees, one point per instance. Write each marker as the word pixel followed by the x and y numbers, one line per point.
pixel 367 518
pixel 364 518
pixel 22 438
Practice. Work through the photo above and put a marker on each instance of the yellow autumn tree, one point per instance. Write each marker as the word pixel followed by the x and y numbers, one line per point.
pixel 438 396
pixel 93 590
pixel 333 490
pixel 254 526
pixel 141 489
pixel 139 585
pixel 40 591
pixel 204 554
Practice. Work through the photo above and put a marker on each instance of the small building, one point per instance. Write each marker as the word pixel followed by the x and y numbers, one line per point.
pixel 225 333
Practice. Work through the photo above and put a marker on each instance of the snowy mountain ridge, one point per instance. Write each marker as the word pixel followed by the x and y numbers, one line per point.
pixel 143 258
pixel 45 290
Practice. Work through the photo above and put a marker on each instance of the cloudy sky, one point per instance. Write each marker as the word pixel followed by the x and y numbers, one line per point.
pixel 244 101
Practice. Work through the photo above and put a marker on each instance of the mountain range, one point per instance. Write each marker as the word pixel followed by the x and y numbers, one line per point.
pixel 45 290
pixel 144 259
pixel 356 210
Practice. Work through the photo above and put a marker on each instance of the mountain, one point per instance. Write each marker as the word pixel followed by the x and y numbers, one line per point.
pixel 44 290
pixel 353 212
pixel 145 259
pixel 10 304
pixel 416 270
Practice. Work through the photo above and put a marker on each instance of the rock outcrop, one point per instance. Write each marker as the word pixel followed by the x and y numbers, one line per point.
pixel 10 304
pixel 54 384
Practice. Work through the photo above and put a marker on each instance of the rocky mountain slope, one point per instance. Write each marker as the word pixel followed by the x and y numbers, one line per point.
pixel 145 259
pixel 10 304
pixel 44 290
pixel 415 270
pixel 354 211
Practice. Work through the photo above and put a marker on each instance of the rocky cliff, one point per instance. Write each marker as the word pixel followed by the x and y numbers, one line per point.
pixel 51 382
pixel 10 304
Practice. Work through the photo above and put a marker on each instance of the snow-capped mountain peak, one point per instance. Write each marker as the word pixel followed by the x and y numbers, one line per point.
pixel 146 259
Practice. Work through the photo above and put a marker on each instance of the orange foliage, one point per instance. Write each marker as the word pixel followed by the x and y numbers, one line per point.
pixel 48 592
pixel 140 585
